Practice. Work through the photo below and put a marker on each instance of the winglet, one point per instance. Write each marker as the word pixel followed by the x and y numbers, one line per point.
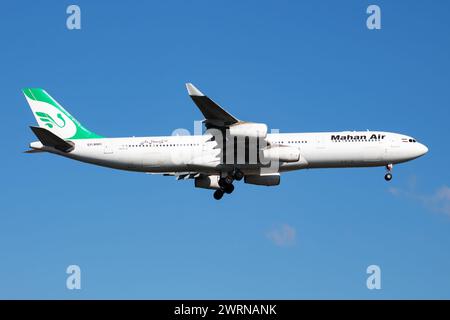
pixel 214 115
pixel 193 91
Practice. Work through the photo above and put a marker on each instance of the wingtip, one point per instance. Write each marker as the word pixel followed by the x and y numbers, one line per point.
pixel 193 91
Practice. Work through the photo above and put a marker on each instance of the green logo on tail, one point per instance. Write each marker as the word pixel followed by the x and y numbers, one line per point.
pixel 49 121
pixel 61 121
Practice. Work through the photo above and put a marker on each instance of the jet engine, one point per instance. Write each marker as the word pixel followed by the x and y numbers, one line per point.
pixel 207 182
pixel 263 180
pixel 248 129
pixel 281 154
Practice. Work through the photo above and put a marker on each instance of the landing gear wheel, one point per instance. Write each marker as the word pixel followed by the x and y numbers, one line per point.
pixel 388 177
pixel 238 175
pixel 223 182
pixel 228 179
pixel 229 188
pixel 218 194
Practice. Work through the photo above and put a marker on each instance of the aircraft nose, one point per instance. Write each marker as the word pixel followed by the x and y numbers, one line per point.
pixel 422 149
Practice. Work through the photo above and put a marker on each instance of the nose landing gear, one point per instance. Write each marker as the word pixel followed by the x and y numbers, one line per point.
pixel 388 175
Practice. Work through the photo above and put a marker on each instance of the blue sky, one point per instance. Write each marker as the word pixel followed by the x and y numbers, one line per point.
pixel 296 65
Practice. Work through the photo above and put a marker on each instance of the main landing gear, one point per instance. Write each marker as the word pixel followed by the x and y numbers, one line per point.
pixel 238 175
pixel 388 175
pixel 226 184
pixel 218 194
pixel 225 187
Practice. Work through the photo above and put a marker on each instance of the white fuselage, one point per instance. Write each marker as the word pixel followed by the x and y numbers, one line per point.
pixel 197 153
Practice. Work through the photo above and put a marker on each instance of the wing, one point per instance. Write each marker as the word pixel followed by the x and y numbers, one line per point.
pixel 214 115
pixel 178 175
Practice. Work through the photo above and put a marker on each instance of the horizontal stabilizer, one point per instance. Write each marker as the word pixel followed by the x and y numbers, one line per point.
pixel 33 151
pixel 50 139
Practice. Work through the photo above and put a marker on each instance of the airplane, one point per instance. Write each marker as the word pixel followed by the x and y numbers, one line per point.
pixel 230 150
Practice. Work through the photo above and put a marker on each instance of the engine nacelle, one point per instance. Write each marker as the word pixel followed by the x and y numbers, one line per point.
pixel 281 154
pixel 207 182
pixel 264 180
pixel 249 129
